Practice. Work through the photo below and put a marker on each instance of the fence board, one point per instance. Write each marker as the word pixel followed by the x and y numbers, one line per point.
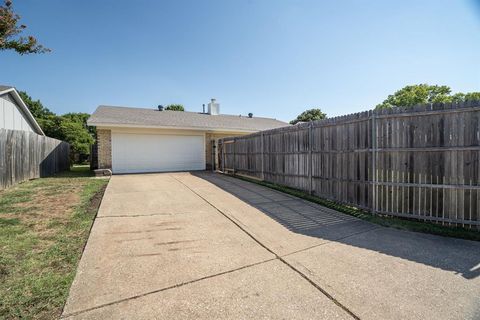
pixel 27 155
pixel 421 162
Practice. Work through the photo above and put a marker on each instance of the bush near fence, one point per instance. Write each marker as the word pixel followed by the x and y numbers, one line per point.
pixel 421 162
pixel 27 155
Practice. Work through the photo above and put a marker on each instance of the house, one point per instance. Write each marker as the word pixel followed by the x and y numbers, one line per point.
pixel 14 113
pixel 134 140
pixel 25 151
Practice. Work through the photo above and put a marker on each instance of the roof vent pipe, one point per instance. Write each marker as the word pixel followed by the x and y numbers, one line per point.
pixel 160 107
pixel 250 115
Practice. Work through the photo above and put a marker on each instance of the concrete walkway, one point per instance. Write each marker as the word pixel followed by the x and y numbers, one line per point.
pixel 208 246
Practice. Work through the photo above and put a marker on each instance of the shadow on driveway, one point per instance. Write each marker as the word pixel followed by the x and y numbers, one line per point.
pixel 310 219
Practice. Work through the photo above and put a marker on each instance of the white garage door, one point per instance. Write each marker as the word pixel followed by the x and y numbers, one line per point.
pixel 133 153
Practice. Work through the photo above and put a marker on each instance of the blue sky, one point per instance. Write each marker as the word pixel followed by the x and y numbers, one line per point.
pixel 273 58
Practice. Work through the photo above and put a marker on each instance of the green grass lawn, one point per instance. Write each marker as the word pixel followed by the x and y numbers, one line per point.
pixel 398 223
pixel 44 224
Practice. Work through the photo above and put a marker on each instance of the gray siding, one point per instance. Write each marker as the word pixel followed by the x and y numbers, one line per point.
pixel 11 116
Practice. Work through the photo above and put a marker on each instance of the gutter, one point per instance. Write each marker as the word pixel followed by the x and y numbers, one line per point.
pixel 233 130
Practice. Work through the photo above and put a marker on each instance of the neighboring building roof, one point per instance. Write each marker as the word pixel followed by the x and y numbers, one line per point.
pixel 3 88
pixel 28 115
pixel 140 117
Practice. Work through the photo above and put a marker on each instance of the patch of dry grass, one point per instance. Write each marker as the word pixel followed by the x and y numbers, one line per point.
pixel 44 224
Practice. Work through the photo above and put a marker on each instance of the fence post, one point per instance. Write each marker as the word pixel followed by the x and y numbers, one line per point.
pixel 261 147
pixel 233 162
pixel 214 155
pixel 221 147
pixel 374 163
pixel 310 160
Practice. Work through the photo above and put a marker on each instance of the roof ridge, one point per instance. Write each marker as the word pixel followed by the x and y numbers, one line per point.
pixel 191 112
pixel 142 108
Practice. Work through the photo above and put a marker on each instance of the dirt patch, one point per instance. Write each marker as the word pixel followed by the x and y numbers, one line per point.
pixel 51 205
pixel 46 210
pixel 96 200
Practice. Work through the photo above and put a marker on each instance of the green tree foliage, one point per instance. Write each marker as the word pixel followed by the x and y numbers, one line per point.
pixel 70 127
pixel 459 97
pixel 10 30
pixel 175 107
pixel 35 106
pixel 75 133
pixel 50 126
pixel 309 115
pixel 82 118
pixel 412 95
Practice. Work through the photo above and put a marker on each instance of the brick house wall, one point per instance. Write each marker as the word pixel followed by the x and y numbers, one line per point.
pixel 104 142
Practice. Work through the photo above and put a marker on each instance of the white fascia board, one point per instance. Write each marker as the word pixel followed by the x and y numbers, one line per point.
pixel 113 125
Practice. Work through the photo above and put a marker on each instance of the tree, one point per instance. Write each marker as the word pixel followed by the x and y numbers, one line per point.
pixel 175 107
pixel 36 107
pixel 76 135
pixel 472 96
pixel 82 118
pixel 309 115
pixel 10 31
pixel 71 127
pixel 51 126
pixel 424 93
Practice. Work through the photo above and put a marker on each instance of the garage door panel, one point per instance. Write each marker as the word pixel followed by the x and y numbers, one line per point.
pixel 133 153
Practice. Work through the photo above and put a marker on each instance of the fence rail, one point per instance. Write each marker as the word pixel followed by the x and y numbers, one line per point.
pixel 27 155
pixel 422 162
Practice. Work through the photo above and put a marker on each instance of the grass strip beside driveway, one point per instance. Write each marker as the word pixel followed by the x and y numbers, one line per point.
pixel 44 225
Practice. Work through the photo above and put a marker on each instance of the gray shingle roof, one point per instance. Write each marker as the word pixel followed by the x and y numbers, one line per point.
pixel 110 115
pixel 3 87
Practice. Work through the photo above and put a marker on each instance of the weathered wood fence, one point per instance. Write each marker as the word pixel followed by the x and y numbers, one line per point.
pixel 420 162
pixel 27 155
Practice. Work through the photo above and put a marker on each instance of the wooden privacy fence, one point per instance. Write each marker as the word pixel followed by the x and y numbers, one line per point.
pixel 421 162
pixel 27 155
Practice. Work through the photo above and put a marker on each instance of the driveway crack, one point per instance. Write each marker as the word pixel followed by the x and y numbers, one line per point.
pixel 72 314
pixel 331 241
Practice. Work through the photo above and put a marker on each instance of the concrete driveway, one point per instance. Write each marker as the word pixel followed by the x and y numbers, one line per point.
pixel 208 246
